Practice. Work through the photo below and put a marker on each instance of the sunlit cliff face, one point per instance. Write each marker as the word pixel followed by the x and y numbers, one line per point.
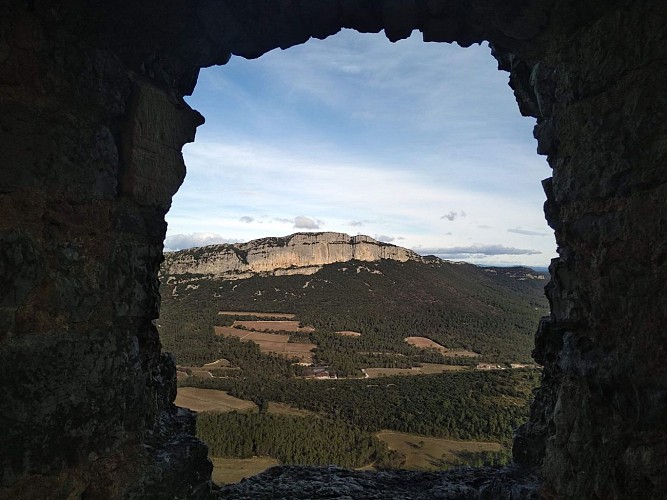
pixel 92 123
pixel 300 253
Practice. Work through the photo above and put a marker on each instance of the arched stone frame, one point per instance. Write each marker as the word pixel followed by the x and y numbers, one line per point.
pixel 92 122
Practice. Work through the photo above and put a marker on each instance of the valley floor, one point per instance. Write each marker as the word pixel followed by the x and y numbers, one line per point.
pixel 417 452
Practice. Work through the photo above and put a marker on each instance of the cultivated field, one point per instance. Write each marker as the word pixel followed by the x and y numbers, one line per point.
pixel 349 333
pixel 271 343
pixel 425 343
pixel 194 371
pixel 259 315
pixel 232 470
pixel 211 400
pixel 432 368
pixel 220 363
pixel 428 453
pixel 204 371
pixel 183 372
pixel 425 369
pixel 274 326
pixel 230 331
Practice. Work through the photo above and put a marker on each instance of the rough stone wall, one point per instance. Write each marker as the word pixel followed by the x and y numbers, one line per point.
pixel 90 160
pixel 91 126
pixel 600 420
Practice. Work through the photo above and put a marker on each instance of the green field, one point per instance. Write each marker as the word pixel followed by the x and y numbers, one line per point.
pixel 425 369
pixel 232 470
pixel 197 399
pixel 429 453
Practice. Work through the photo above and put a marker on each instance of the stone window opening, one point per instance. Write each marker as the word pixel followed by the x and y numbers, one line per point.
pixel 92 123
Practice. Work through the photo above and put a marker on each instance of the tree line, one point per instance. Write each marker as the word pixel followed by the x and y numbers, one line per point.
pixel 290 439
pixel 483 406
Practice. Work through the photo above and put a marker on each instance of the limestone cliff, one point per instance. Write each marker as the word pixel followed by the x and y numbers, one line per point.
pixel 300 253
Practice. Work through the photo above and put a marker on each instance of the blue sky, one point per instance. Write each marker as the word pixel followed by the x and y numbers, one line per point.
pixel 420 145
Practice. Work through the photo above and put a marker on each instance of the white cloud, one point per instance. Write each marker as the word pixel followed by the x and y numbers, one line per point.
pixel 384 238
pixel 247 219
pixel 182 241
pixel 303 222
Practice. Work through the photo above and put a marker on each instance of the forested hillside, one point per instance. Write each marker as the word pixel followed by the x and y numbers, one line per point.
pixel 491 311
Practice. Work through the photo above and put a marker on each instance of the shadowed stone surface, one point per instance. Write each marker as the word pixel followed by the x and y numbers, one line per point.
pixel 332 482
pixel 92 122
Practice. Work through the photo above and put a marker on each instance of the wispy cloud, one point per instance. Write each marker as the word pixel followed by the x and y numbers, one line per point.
pixel 247 219
pixel 527 232
pixel 476 251
pixel 452 216
pixel 182 241
pixel 384 238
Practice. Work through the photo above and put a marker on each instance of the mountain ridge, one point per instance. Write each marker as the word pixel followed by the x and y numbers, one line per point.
pixel 298 253
pixel 492 311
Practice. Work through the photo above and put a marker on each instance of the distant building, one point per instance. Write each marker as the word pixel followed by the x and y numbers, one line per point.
pixel 486 366
pixel 317 372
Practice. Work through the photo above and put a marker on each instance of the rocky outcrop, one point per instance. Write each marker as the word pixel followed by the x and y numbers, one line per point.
pixel 305 483
pixel 300 253
pixel 91 159
pixel 597 425
pixel 92 122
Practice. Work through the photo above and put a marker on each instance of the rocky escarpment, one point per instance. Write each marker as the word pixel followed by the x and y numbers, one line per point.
pixel 92 122
pixel 300 253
